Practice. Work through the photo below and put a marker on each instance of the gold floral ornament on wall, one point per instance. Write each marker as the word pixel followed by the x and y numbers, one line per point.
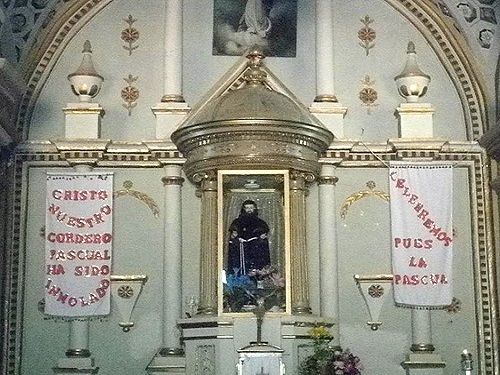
pixel 146 199
pixel 368 95
pixel 130 94
pixel 130 35
pixel 366 34
pixel 353 198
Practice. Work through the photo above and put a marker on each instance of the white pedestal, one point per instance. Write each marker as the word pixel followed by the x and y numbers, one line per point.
pixel 424 364
pixel 83 120
pixel 415 120
pixel 168 117
pixel 212 342
pixel 67 366
pixel 168 364
pixel 331 114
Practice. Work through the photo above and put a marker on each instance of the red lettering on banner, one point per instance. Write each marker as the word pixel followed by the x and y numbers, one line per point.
pixel 421 263
pixel 80 222
pixel 79 254
pixel 72 301
pixel 68 237
pixel 431 279
pixel 55 269
pixel 415 243
pixel 400 183
pixel 422 213
pixel 80 195
pixel 91 270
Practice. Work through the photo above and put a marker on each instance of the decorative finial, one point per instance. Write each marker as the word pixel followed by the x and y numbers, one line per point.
pixel 411 48
pixel 86 82
pixel 255 75
pixel 255 56
pixel 412 83
pixel 87 47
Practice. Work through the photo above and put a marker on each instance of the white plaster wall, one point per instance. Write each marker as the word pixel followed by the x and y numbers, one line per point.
pixel 364 248
pixel 201 70
pixel 113 62
pixel 137 249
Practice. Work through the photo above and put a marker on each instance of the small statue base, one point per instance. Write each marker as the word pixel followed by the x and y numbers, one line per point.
pixel 67 366
pixel 424 363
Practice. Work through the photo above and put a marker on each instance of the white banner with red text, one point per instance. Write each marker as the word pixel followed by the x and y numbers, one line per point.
pixel 422 239
pixel 78 243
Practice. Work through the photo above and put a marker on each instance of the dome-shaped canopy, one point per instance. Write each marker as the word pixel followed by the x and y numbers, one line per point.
pixel 252 102
pixel 252 127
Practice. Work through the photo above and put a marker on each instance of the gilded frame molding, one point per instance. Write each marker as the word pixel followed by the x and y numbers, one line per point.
pixel 221 233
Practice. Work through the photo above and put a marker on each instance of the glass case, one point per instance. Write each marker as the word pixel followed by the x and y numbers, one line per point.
pixel 253 240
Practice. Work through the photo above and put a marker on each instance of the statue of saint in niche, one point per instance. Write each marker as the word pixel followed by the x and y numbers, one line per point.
pixel 248 248
pixel 254 252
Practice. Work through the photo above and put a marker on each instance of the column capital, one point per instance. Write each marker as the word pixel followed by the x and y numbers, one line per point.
pixel 203 176
pixel 306 177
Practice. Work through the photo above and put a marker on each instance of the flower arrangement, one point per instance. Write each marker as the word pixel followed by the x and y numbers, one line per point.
pixel 244 290
pixel 327 360
pixel 269 276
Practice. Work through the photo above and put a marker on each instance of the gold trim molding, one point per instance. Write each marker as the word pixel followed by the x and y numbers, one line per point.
pixel 172 180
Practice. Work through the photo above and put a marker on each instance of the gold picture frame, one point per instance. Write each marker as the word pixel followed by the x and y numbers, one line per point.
pixel 253 253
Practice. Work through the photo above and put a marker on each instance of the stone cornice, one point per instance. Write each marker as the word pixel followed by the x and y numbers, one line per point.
pixel 102 152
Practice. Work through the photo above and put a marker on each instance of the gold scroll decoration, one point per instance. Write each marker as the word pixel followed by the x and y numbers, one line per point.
pixel 353 198
pixel 146 199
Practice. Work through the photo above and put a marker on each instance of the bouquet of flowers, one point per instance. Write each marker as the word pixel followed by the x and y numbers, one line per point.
pixel 268 277
pixel 242 291
pixel 327 360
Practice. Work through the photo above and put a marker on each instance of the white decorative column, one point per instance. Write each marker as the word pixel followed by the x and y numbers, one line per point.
pixel 78 358
pixel 172 258
pixel 82 121
pixel 422 360
pixel 421 331
pixel 172 109
pixel 170 358
pixel 326 106
pixel 329 298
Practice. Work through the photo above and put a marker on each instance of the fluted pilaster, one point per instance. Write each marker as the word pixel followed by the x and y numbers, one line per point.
pixel 208 250
pixel 298 257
